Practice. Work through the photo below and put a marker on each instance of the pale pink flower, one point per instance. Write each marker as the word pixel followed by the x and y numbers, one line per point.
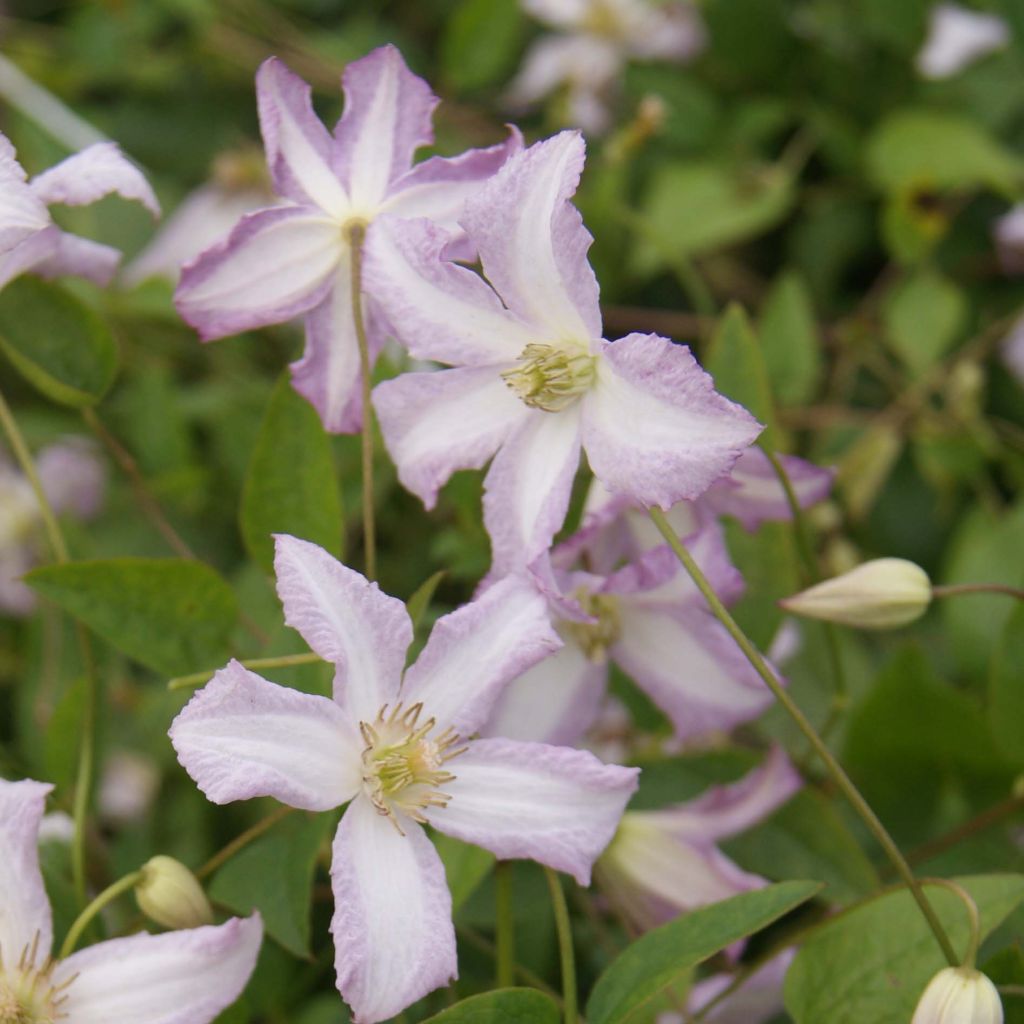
pixel 957 37
pixel 533 380
pixel 180 977
pixel 398 751
pixel 1008 235
pixel 665 862
pixel 29 239
pixel 295 258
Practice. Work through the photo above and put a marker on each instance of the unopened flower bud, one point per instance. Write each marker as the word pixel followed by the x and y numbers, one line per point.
pixel 881 594
pixel 959 995
pixel 170 894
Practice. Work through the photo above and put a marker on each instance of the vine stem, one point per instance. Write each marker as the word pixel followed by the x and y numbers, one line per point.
pixel 973 917
pixel 87 750
pixel 955 589
pixel 356 236
pixel 282 661
pixel 506 928
pixel 835 769
pixel 122 885
pixel 566 952
pixel 240 842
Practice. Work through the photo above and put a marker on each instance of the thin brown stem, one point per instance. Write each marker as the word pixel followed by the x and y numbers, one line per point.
pixel 986 819
pixel 242 841
pixel 956 589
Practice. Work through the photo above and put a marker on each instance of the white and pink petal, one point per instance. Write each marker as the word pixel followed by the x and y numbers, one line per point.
pixel 95 172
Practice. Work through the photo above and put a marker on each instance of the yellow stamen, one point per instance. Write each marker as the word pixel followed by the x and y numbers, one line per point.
pixel 550 377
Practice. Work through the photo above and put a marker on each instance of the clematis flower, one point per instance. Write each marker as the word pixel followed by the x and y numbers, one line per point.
pixel 665 862
pixel 295 258
pixel 31 242
pixel 594 41
pixel 532 378
pixel 398 751
pixel 649 618
pixel 957 37
pixel 180 977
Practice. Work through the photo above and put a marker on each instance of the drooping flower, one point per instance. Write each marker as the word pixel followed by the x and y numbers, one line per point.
pixel 593 42
pixel 959 995
pixel 532 378
pixel 957 37
pixel 29 239
pixel 296 258
pixel 398 751
pixel 665 862
pixel 180 977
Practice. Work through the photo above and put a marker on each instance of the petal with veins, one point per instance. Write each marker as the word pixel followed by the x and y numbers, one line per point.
pixel 27 255
pixel 88 176
pixel 348 621
pixel 392 926
pixel 437 422
pixel 241 737
pixel 80 257
pixel 22 213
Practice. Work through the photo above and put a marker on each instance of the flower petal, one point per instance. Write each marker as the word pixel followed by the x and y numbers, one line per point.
pixel 347 620
pixel 25 912
pixel 526 490
pixel 274 265
pixel 392 926
pixel 690 667
pixel 554 702
pixel 29 254
pixel 437 422
pixel 387 116
pixel 72 477
pixel 439 310
pixel 22 213
pixel 74 256
pixel 241 736
pixel 476 650
pixel 182 977
pixel 758 999
pixel 653 425
pixel 532 241
pixel 550 804
pixel 298 145
pixel 88 176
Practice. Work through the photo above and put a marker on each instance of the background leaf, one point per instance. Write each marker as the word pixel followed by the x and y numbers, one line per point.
pixel 504 1006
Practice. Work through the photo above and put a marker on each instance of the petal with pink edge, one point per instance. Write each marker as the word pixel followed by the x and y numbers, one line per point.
pixel 554 805
pixel 477 650
pixel 182 977
pixel 348 621
pixel 274 265
pixel 88 176
pixel 75 256
pixel 241 737
pixel 758 999
pixel 298 145
pixel 439 309
pixel 690 667
pixel 387 117
pixel 532 242
pixel 653 425
pixel 22 213
pixel 437 422
pixel 392 926
pixel 29 254
pixel 25 913
pixel 526 490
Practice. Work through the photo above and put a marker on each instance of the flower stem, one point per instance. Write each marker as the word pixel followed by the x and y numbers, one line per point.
pixel 972 915
pixel 566 952
pixel 835 769
pixel 240 842
pixel 506 927
pixel 356 236
pixel 955 589
pixel 282 661
pixel 122 885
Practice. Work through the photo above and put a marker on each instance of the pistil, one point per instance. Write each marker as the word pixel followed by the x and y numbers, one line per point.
pixel 551 377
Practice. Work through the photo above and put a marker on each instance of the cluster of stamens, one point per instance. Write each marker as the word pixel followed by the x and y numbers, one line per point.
pixel 595 637
pixel 403 767
pixel 27 992
pixel 550 377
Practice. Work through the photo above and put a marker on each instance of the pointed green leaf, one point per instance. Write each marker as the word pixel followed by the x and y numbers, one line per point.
pixel 789 341
pixel 923 316
pixel 420 600
pixel 504 1006
pixel 465 866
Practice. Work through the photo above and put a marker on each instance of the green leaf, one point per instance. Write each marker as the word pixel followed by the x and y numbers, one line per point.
pixel 274 875
pixel 866 465
pixel 923 316
pixel 924 147
pixel 872 962
pixel 504 1006
pixel 1006 688
pixel 481 42
pixel 789 341
pixel 172 615
pixel 465 866
pixel 291 485
pixel 56 342
pixel 667 954
pixel 417 605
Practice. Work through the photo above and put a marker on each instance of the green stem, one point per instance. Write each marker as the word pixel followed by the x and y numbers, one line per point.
pixel 240 842
pixel 121 886
pixel 282 661
pixel 566 951
pixel 506 926
pixel 955 589
pixel 972 915
pixel 356 236
pixel 835 769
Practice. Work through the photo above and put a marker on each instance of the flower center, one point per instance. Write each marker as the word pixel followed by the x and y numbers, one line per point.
pixel 602 20
pixel 27 992
pixel 551 377
pixel 403 766
pixel 595 637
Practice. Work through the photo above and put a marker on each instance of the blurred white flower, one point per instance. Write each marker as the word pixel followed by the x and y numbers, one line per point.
pixel 957 37
pixel 128 787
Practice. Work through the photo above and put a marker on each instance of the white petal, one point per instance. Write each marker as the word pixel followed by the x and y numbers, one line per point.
pixel 958 36
pixel 79 257
pixel 22 213
pixel 88 176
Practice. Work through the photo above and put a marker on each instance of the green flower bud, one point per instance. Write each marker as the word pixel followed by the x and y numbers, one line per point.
pixel 169 894
pixel 959 995
pixel 881 594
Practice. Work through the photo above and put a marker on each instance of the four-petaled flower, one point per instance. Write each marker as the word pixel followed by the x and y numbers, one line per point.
pixel 400 750
pixel 180 977
pixel 296 258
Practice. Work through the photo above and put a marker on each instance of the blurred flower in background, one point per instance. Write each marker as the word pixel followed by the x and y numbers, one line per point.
pixel 957 37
